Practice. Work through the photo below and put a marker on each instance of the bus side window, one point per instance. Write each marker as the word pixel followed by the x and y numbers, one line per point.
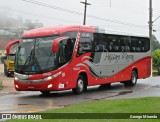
pixel 62 53
pixel 85 44
pixel 69 49
pixel 140 44
pixel 146 44
pixel 65 51
pixel 110 46
pixel 122 46
pixel 135 44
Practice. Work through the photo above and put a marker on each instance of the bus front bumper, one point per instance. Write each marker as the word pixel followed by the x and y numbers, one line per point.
pixel 44 86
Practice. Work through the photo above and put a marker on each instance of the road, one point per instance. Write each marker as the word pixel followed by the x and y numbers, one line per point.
pixel 12 101
pixel 34 101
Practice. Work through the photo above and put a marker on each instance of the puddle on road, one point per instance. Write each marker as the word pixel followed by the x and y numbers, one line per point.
pixel 124 92
pixel 23 104
pixel 11 93
pixel 157 86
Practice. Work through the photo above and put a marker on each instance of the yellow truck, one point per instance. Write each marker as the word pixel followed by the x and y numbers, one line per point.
pixel 10 56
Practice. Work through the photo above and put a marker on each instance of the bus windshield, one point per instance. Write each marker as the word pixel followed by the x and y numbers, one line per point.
pixel 11 57
pixel 35 55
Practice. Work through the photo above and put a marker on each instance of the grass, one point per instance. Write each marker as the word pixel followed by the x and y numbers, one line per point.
pixel 1 86
pixel 154 73
pixel 135 105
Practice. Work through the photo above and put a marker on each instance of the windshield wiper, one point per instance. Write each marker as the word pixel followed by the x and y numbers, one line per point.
pixel 37 63
pixel 48 60
pixel 32 60
pixel 25 63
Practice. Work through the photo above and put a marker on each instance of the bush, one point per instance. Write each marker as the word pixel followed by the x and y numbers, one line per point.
pixel 156 60
pixel 1 86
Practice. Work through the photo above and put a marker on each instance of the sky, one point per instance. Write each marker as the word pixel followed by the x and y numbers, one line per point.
pixel 115 16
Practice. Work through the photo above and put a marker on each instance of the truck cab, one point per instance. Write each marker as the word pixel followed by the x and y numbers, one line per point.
pixel 10 56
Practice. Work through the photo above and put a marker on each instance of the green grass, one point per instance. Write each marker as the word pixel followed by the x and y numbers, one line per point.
pixel 1 86
pixel 136 105
pixel 140 105
pixel 154 73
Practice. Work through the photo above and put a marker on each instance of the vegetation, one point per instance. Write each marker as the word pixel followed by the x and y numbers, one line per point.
pixel 136 105
pixel 1 86
pixel 155 43
pixel 156 60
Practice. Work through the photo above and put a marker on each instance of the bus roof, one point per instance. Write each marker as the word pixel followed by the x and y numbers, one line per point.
pixel 50 31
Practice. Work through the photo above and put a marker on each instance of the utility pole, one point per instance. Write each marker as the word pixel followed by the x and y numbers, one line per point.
pixel 85 9
pixel 110 3
pixel 150 29
pixel 150 20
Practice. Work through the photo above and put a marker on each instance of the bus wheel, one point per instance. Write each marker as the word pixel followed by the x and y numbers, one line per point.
pixel 81 85
pixel 45 92
pixel 133 80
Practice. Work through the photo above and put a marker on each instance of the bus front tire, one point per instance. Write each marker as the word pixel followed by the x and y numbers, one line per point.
pixel 81 86
pixel 133 80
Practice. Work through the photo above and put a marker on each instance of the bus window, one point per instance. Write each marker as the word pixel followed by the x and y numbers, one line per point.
pixel 140 44
pixel 113 43
pixel 85 44
pixel 145 46
pixel 65 51
pixel 100 42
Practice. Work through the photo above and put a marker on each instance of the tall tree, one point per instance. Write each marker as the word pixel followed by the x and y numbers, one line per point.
pixel 155 43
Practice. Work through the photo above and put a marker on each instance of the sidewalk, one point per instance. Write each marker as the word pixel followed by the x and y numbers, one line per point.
pixel 8 83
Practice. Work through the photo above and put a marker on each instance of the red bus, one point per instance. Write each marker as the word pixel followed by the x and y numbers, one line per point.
pixel 74 57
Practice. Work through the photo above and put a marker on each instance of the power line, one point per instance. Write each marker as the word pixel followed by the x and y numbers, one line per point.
pixel 79 13
pixel 51 6
pixel 35 15
pixel 117 4
pixel 118 22
pixel 156 19
pixel 49 18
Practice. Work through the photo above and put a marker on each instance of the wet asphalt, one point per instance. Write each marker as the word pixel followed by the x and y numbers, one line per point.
pixel 29 102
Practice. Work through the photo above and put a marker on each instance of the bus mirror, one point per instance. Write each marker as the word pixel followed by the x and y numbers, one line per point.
pixel 9 46
pixel 56 43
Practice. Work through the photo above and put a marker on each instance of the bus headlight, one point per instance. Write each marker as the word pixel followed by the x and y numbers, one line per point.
pixel 56 75
pixel 49 78
pixel 17 86
pixel 15 78
pixel 53 76
pixel 50 85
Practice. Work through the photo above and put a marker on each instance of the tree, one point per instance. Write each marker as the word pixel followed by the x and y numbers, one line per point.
pixel 155 43
pixel 156 60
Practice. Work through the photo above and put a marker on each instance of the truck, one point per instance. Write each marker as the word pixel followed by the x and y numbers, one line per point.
pixel 10 56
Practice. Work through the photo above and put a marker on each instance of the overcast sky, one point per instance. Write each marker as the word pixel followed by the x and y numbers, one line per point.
pixel 117 16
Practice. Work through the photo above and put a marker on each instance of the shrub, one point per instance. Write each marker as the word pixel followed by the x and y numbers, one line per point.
pixel 156 60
